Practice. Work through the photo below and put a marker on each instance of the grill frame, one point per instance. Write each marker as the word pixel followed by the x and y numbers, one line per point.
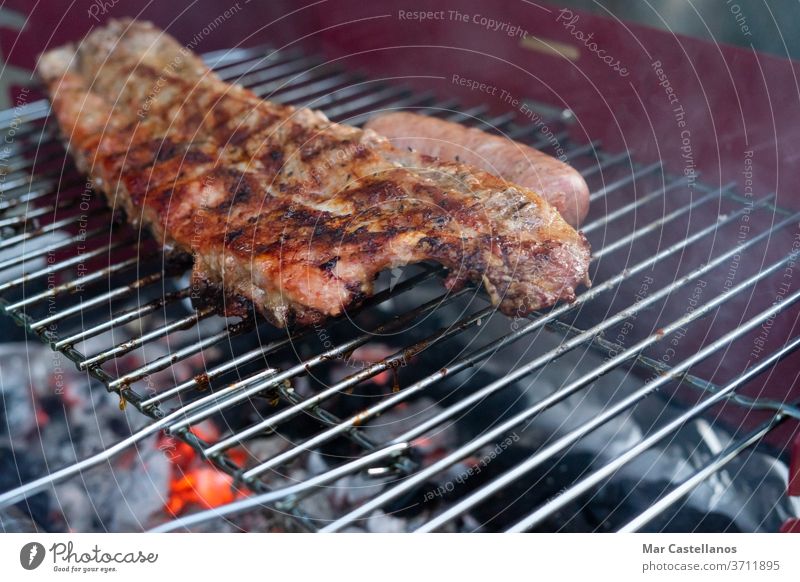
pixel 294 76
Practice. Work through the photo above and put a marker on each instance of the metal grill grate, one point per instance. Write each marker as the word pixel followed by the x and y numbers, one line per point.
pixel 52 227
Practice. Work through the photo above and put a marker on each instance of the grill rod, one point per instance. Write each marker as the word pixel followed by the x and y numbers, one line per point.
pixel 343 470
pixel 483 352
pixel 50 228
pixel 26 490
pixel 246 389
pixel 657 367
pixel 370 371
pixel 725 457
pixel 625 180
pixel 492 435
pixel 562 443
pixel 690 240
pixel 275 346
pixel 282 75
pixel 659 223
pixel 35 486
pixel 607 470
pixel 631 206
pixel 104 456
pixel 285 493
pixel 23 491
pixel 125 317
pixel 264 424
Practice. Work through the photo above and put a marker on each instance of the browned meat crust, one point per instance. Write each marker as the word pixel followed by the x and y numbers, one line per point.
pixel 558 183
pixel 278 205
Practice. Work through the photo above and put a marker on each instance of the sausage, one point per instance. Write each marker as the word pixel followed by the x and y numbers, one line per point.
pixel 559 184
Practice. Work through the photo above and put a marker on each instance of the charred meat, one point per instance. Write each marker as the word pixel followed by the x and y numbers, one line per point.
pixel 281 207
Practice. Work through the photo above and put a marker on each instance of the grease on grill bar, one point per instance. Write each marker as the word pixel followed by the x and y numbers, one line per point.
pixel 425 410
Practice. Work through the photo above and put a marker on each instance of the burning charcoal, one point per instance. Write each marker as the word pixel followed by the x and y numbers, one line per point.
pixel 14 520
pixel 202 486
pixel 76 507
pixel 21 370
pixel 192 482
pixel 130 500
pixel 18 466
pixel 265 447
pixel 619 502
pixel 405 417
pixel 52 416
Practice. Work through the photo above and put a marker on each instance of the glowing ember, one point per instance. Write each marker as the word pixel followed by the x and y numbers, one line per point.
pixel 371 354
pixel 194 482
pixel 202 486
